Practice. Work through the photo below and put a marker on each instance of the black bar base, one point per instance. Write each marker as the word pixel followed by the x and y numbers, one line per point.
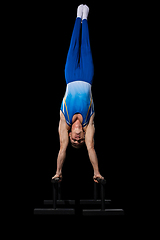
pixel 102 201
pixel 51 211
pixel 68 203
pixel 106 212
pixel 56 211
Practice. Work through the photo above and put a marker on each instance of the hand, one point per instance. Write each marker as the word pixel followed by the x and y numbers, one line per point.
pixel 97 176
pixel 58 176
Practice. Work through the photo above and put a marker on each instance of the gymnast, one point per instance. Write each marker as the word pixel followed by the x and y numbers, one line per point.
pixel 77 108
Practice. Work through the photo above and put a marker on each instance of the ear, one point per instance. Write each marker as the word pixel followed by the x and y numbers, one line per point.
pixel 69 134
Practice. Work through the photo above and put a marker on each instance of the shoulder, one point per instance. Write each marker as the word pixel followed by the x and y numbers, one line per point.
pixel 62 117
pixel 63 132
pixel 62 122
pixel 90 131
pixel 91 122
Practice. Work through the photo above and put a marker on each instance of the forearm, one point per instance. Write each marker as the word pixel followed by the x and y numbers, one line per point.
pixel 60 160
pixel 94 160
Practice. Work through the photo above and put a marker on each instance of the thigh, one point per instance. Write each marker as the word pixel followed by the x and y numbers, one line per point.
pixel 71 67
pixel 87 66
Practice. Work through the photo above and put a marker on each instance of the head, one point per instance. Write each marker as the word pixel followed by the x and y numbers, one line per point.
pixel 77 135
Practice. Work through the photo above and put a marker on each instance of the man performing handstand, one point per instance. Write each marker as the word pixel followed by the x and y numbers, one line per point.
pixel 77 108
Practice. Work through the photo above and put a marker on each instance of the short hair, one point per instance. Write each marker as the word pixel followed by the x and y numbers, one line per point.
pixel 77 146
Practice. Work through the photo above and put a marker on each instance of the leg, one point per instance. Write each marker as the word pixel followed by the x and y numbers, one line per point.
pixel 73 53
pixel 86 61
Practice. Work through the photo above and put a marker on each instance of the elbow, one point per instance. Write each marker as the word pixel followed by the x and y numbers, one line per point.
pixel 62 152
pixel 63 147
pixel 90 148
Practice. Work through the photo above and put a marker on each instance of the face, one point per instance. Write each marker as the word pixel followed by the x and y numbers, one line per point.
pixel 77 135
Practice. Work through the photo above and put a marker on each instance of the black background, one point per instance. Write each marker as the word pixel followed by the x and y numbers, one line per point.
pixel 44 40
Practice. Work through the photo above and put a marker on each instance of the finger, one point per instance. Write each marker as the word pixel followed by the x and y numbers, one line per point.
pixel 95 180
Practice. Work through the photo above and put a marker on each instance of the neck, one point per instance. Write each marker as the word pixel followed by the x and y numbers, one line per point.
pixel 77 118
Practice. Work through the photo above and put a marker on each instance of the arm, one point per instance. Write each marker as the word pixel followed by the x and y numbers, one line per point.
pixel 89 140
pixel 64 140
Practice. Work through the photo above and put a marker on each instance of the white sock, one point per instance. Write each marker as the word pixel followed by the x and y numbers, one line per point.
pixel 85 12
pixel 80 11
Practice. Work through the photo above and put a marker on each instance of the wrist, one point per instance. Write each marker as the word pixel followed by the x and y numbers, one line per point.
pixel 59 172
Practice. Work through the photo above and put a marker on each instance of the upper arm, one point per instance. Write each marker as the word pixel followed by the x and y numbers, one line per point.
pixel 63 132
pixel 89 137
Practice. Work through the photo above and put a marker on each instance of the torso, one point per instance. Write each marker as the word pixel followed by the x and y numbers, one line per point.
pixel 78 103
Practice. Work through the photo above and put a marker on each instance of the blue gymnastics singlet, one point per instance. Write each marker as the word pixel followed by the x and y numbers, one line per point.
pixel 78 99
